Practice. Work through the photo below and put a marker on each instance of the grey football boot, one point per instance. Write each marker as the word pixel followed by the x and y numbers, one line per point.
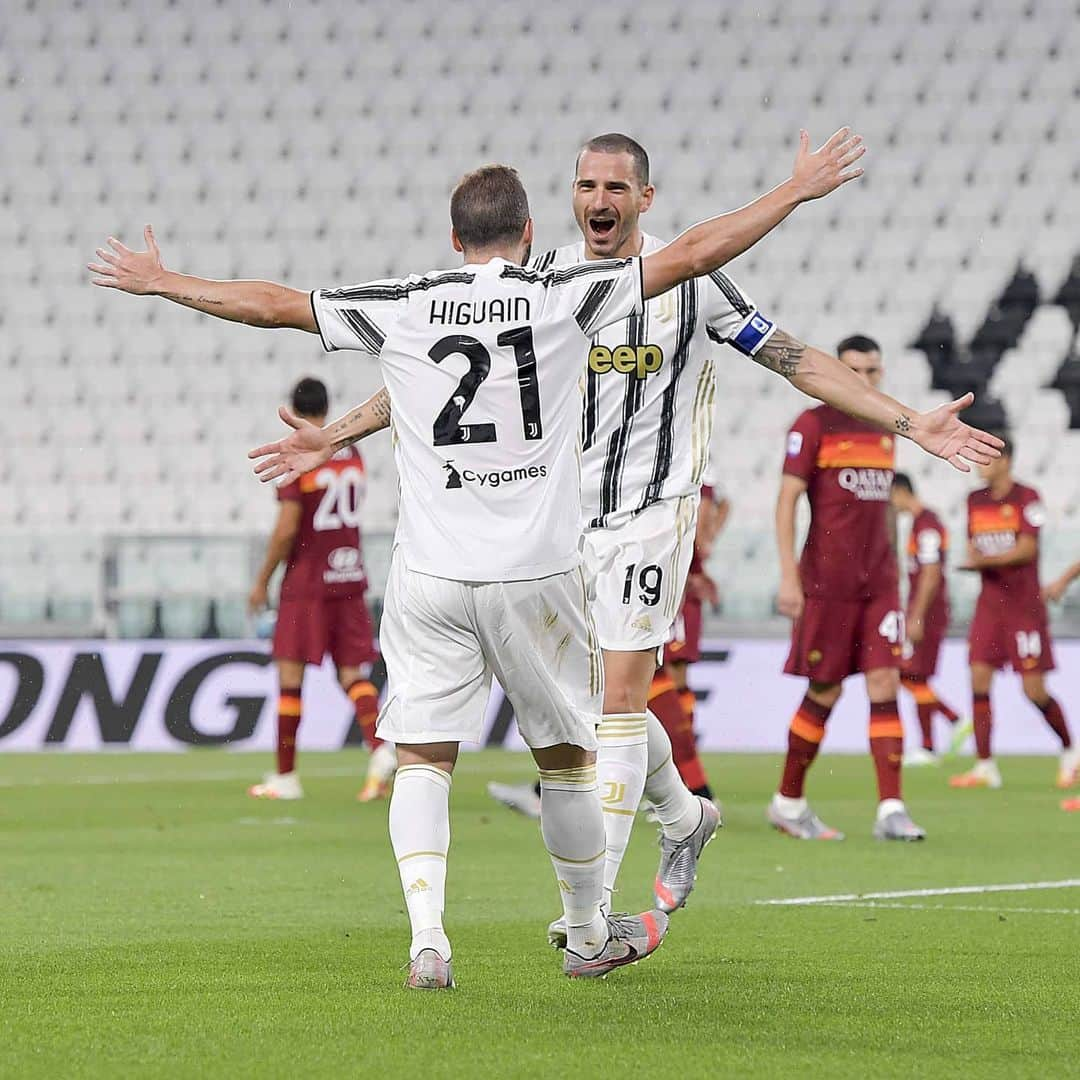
pixel 806 826
pixel 677 871
pixel 631 938
pixel 898 825
pixel 429 971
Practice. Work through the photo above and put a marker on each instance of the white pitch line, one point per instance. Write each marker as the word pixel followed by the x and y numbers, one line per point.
pixel 161 778
pixel 953 907
pixel 899 894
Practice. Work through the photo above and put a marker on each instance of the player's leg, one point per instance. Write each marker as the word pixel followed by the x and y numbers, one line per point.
pixel 789 810
pixel 351 644
pixel 284 783
pixel 924 699
pixel 667 705
pixel 438 684
pixel 887 750
pixel 823 649
pixel 985 772
pixel 420 836
pixel 555 682
pixel 683 650
pixel 1036 692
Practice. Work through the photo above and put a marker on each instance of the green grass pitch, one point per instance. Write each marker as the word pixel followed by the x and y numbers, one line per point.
pixel 156 922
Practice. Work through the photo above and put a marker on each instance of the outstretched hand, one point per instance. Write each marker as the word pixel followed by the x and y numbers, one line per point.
pixel 307 448
pixel 816 174
pixel 942 433
pixel 136 272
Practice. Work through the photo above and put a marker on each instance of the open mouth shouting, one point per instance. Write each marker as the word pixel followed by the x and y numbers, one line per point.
pixel 601 227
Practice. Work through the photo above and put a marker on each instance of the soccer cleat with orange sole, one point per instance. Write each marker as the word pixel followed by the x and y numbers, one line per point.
pixel 429 971
pixel 985 774
pixel 1069 769
pixel 1070 805
pixel 631 939
pixel 373 790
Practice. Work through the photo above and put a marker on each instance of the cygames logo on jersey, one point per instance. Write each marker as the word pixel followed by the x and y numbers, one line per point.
pixel 456 478
pixel 636 360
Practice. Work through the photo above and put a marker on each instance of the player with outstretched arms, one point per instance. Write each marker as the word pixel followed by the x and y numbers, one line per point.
pixel 926 619
pixel 1010 624
pixel 483 366
pixel 843 597
pixel 321 605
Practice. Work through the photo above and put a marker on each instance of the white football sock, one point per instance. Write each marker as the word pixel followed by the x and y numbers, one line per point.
pixel 420 834
pixel 677 810
pixel 620 771
pixel 572 825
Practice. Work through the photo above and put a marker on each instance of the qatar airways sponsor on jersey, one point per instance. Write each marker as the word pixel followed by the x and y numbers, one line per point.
pixel 867 485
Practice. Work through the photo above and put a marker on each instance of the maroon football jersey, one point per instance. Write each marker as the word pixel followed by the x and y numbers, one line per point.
pixel 326 556
pixel 927 546
pixel 994 526
pixel 848 469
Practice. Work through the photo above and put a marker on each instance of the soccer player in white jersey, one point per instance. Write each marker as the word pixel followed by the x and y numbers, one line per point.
pixel 483 367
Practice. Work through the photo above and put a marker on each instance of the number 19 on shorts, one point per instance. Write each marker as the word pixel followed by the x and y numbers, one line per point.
pixel 649 580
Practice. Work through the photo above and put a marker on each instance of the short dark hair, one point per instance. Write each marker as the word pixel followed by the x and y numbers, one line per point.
pixel 858 343
pixel 1006 438
pixel 614 143
pixel 309 397
pixel 902 481
pixel 488 207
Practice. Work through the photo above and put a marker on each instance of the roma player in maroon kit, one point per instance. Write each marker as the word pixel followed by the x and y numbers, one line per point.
pixel 927 618
pixel 844 598
pixel 1010 624
pixel 321 608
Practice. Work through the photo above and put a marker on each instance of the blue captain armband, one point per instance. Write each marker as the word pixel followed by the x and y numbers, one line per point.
pixel 752 334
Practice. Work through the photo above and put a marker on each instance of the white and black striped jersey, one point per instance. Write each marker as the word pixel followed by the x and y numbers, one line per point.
pixel 485 366
pixel 650 387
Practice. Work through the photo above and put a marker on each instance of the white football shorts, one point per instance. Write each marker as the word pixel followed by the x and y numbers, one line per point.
pixel 637 574
pixel 443 641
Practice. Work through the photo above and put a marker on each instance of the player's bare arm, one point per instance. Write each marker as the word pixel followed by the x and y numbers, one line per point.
pixel 789 599
pixel 256 303
pixel 930 578
pixel 708 246
pixel 1025 550
pixel 310 446
pixel 1059 586
pixel 939 432
pixel 277 551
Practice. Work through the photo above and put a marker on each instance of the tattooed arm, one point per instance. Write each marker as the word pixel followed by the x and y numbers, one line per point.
pixel 256 303
pixel 939 432
pixel 364 420
pixel 308 446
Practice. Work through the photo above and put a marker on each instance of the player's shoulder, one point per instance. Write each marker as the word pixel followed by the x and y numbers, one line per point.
pixel 389 289
pixel 567 255
pixel 1025 493
pixel 978 495
pixel 928 519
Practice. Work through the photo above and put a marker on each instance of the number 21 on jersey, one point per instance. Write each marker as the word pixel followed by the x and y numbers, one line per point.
pixel 448 430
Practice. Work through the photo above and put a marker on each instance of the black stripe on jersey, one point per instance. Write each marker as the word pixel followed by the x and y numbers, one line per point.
pixel 731 292
pixel 590 416
pixel 543 262
pixel 398 290
pixel 619 442
pixel 688 317
pixel 715 335
pixel 371 337
pixel 591 306
pixel 548 278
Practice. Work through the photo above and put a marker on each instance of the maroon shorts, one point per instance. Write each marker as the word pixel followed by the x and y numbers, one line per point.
pixel 922 662
pixel 308 628
pixel 836 638
pixel 1001 635
pixel 685 644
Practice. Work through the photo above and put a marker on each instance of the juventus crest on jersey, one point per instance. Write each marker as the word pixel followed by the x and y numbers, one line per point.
pixel 485 367
pixel 650 387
